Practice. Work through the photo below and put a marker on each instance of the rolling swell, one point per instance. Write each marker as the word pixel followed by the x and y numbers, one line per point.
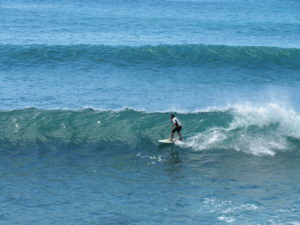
pixel 161 55
pixel 251 129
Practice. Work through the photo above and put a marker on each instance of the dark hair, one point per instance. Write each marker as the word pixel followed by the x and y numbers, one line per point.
pixel 172 115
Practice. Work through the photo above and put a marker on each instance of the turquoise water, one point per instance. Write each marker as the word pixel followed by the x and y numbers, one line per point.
pixel 86 89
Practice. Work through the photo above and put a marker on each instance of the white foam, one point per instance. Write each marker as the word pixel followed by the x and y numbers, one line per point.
pixel 226 211
pixel 259 130
pixel 226 219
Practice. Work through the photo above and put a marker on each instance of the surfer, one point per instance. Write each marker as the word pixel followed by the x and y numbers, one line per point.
pixel 176 127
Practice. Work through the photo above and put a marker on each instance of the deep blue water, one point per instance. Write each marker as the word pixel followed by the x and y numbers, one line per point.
pixel 86 89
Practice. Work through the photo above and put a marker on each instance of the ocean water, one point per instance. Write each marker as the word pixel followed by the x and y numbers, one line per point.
pixel 87 88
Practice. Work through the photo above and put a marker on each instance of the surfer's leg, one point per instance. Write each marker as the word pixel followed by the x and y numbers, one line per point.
pixel 172 135
pixel 180 136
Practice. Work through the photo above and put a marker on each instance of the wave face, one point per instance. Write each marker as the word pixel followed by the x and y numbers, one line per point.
pixel 161 55
pixel 255 130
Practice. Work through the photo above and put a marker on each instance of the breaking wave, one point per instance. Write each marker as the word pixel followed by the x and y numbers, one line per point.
pixel 257 130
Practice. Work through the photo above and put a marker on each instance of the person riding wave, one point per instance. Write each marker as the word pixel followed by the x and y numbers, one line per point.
pixel 176 127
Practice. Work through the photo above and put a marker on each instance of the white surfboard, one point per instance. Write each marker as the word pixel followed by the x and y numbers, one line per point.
pixel 167 141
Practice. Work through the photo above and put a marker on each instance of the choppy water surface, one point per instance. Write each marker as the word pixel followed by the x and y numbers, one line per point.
pixel 86 89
